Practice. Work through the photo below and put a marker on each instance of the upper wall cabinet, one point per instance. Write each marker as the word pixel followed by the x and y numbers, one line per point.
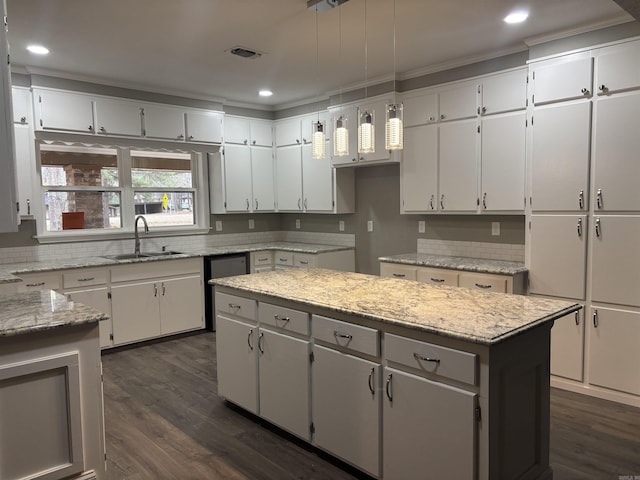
pixel 420 109
pixel 165 122
pixel 459 101
pixel 287 132
pixel 21 98
pixel 245 131
pixel 56 110
pixel 350 113
pixel 618 68
pixel 204 126
pixel 566 78
pixel 504 92
pixel 118 117
pixel 261 133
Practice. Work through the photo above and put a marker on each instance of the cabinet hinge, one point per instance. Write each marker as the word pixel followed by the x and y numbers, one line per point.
pixel 312 428
pixel 478 413
pixel 109 295
pixel 311 357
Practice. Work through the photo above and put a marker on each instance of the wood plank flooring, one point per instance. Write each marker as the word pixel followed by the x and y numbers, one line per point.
pixel 164 421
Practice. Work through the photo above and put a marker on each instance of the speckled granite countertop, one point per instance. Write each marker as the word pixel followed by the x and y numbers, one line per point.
pixel 23 313
pixel 470 315
pixel 312 248
pixel 499 267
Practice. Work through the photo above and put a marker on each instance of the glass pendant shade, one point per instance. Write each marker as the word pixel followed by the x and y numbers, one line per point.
pixel 366 132
pixel 393 129
pixel 318 144
pixel 340 137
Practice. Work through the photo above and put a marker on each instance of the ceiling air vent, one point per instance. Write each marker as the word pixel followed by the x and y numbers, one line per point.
pixel 244 52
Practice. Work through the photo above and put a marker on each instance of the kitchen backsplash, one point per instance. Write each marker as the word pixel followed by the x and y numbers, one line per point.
pixel 493 251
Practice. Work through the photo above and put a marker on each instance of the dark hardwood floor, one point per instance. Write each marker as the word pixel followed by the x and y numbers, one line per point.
pixel 165 421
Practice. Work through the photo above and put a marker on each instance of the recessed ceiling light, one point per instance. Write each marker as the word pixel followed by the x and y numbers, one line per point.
pixel 516 17
pixel 38 49
pixel 265 93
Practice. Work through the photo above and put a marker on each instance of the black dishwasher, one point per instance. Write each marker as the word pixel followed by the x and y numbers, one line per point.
pixel 219 266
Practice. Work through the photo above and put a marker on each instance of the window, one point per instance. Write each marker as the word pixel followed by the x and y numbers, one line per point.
pixel 102 189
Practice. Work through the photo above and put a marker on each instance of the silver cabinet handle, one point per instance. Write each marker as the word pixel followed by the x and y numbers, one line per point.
pixel 155 289
pixel 599 198
pixel 282 259
pixel 370 382
pixel 249 336
pixel 180 137
pixel 190 137
pixel 581 199
pixel 91 128
pixel 260 337
pixel 263 259
pixel 484 200
pixel 388 388
pixel 253 143
pixel 103 130
pixel 164 289
pixel 38 284
pixel 580 227
pixel 247 200
pixel 598 231
pixel 256 204
pixel 577 317
pixel 603 88
pixel 399 275
pixel 585 91
pixel 417 356
pixel 432 119
pixel 442 117
pixel 284 319
pixel 28 206
pixel 437 280
pixel 299 204
pixel 23 119
pixel 484 110
pixel 88 279
pixel 337 334
pixel 481 285
pixel 442 201
pixel 305 204
pixel 298 141
pixel 595 318
pixel 245 141
pixel 304 262
pixel 234 306
pixel 431 202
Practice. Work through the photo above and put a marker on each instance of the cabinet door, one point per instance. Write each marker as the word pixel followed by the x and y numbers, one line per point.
pixel 237 368
pixel 135 310
pixel 163 122
pixel 567 78
pixel 262 179
pixel 567 346
pixel 419 169
pixel 617 143
pixel 65 111
pixel 614 356
pixel 181 304
pixel 284 382
pixel 346 408
pixel 8 215
pixel 618 68
pixel 413 439
pixel 504 92
pixel 21 102
pixel 420 110
pixel 616 263
pixel 97 298
pixel 289 178
pixel 458 166
pixel 118 117
pixel 558 255
pixel 503 161
pixel 237 175
pixel 261 133
pixel 459 102
pixel 437 276
pixel 350 113
pixel 317 182
pixel 204 127
pixel 287 132
pixel 236 130
pixel 25 166
pixel 560 157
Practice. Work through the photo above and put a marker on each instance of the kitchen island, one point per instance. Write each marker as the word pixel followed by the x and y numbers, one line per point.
pixel 400 379
pixel 51 420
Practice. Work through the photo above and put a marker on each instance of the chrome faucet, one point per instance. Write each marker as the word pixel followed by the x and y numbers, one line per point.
pixel 136 249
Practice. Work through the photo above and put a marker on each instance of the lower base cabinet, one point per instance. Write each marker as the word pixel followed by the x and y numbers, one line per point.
pixel 567 347
pixel 97 298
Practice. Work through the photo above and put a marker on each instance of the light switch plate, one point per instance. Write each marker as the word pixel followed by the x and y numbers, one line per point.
pixel 341 225
pixel 298 223
pixel 495 229
pixel 218 225
pixel 369 225
pixel 421 226
pixel 252 224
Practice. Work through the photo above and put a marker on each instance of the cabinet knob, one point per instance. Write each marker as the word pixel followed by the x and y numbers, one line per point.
pixel 484 110
pixel 103 130
pixel 298 141
pixel 180 137
pixel 23 119
pixel 91 128
pixel 585 91
pixel 603 88
pixel 253 143
pixel 190 137
pixel 245 141
pixel 442 117
pixel 432 119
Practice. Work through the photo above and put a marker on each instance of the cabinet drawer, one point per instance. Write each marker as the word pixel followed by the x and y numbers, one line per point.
pixel 394 270
pixel 443 361
pixel 284 258
pixel 285 318
pixel 40 281
pixel 348 335
pixel 83 277
pixel 238 306
pixel 304 261
pixel 437 276
pixel 490 283
pixel 262 258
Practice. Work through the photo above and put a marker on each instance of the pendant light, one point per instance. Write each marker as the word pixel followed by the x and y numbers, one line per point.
pixel 393 128
pixel 340 123
pixel 318 144
pixel 366 117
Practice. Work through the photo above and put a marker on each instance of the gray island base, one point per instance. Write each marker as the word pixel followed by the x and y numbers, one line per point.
pixel 402 380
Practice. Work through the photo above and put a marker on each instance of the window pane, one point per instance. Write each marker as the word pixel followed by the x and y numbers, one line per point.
pixel 66 165
pixel 76 210
pixel 164 209
pixel 160 169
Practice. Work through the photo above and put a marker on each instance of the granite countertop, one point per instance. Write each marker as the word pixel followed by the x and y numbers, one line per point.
pixel 470 315
pixel 312 248
pixel 481 265
pixel 23 313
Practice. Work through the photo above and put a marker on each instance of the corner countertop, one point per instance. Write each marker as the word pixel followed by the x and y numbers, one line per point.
pixel 469 315
pixel 24 313
pixel 481 265
pixel 296 247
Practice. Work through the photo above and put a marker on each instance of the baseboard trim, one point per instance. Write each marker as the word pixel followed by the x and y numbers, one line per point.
pixel 604 394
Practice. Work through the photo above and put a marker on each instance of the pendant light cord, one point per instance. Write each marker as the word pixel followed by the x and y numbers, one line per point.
pixel 394 46
pixel 366 52
pixel 317 63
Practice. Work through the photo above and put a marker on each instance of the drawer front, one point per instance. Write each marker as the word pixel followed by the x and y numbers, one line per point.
pixel 348 335
pixel 155 269
pixel 490 283
pixel 437 276
pixel 443 361
pixel 84 277
pixel 285 318
pixel 284 258
pixel 395 270
pixel 43 281
pixel 262 258
pixel 267 268
pixel 304 261
pixel 234 305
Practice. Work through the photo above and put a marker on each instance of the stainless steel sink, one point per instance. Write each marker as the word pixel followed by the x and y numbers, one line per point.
pixel 134 256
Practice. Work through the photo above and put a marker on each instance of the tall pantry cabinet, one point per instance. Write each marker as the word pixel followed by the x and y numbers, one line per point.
pixel 584 214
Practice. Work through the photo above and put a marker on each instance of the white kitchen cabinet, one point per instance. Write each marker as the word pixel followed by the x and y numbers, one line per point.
pixel 118 117
pixel 458 166
pixel 350 112
pixel 396 270
pixel 412 429
pixel 437 276
pixel 287 132
pixel 175 294
pixel 381 155
pixel 59 110
pixel 306 128
pixel 615 270
pixel 346 407
pixel 616 147
pixel 21 102
pixel 163 122
pixel 504 92
pixel 136 312
pixel 564 78
pixel 236 130
pixel 39 281
pixel 261 133
pixel 614 356
pixel 558 257
pixel 459 101
pixel 567 346
pixel 502 176
pixel 317 182
pixel 618 68
pixel 289 178
pixel 561 142
pixel 262 179
pixel 419 169
pixel 205 127
pixel 483 281
pixel 237 177
pixel 261 261
pixel 420 109
pixel 25 166
pixel 97 298
pixel 284 378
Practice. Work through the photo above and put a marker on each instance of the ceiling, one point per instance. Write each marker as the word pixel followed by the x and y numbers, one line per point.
pixel 180 47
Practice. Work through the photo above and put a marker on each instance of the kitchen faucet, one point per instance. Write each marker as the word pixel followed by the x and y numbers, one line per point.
pixel 136 249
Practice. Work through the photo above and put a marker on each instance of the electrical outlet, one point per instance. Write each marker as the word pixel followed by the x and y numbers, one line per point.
pixel 252 224
pixel 297 223
pixel 369 225
pixel 421 226
pixel 341 225
pixel 495 229
pixel 218 225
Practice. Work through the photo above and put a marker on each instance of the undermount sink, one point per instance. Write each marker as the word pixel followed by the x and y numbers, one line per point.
pixel 133 256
